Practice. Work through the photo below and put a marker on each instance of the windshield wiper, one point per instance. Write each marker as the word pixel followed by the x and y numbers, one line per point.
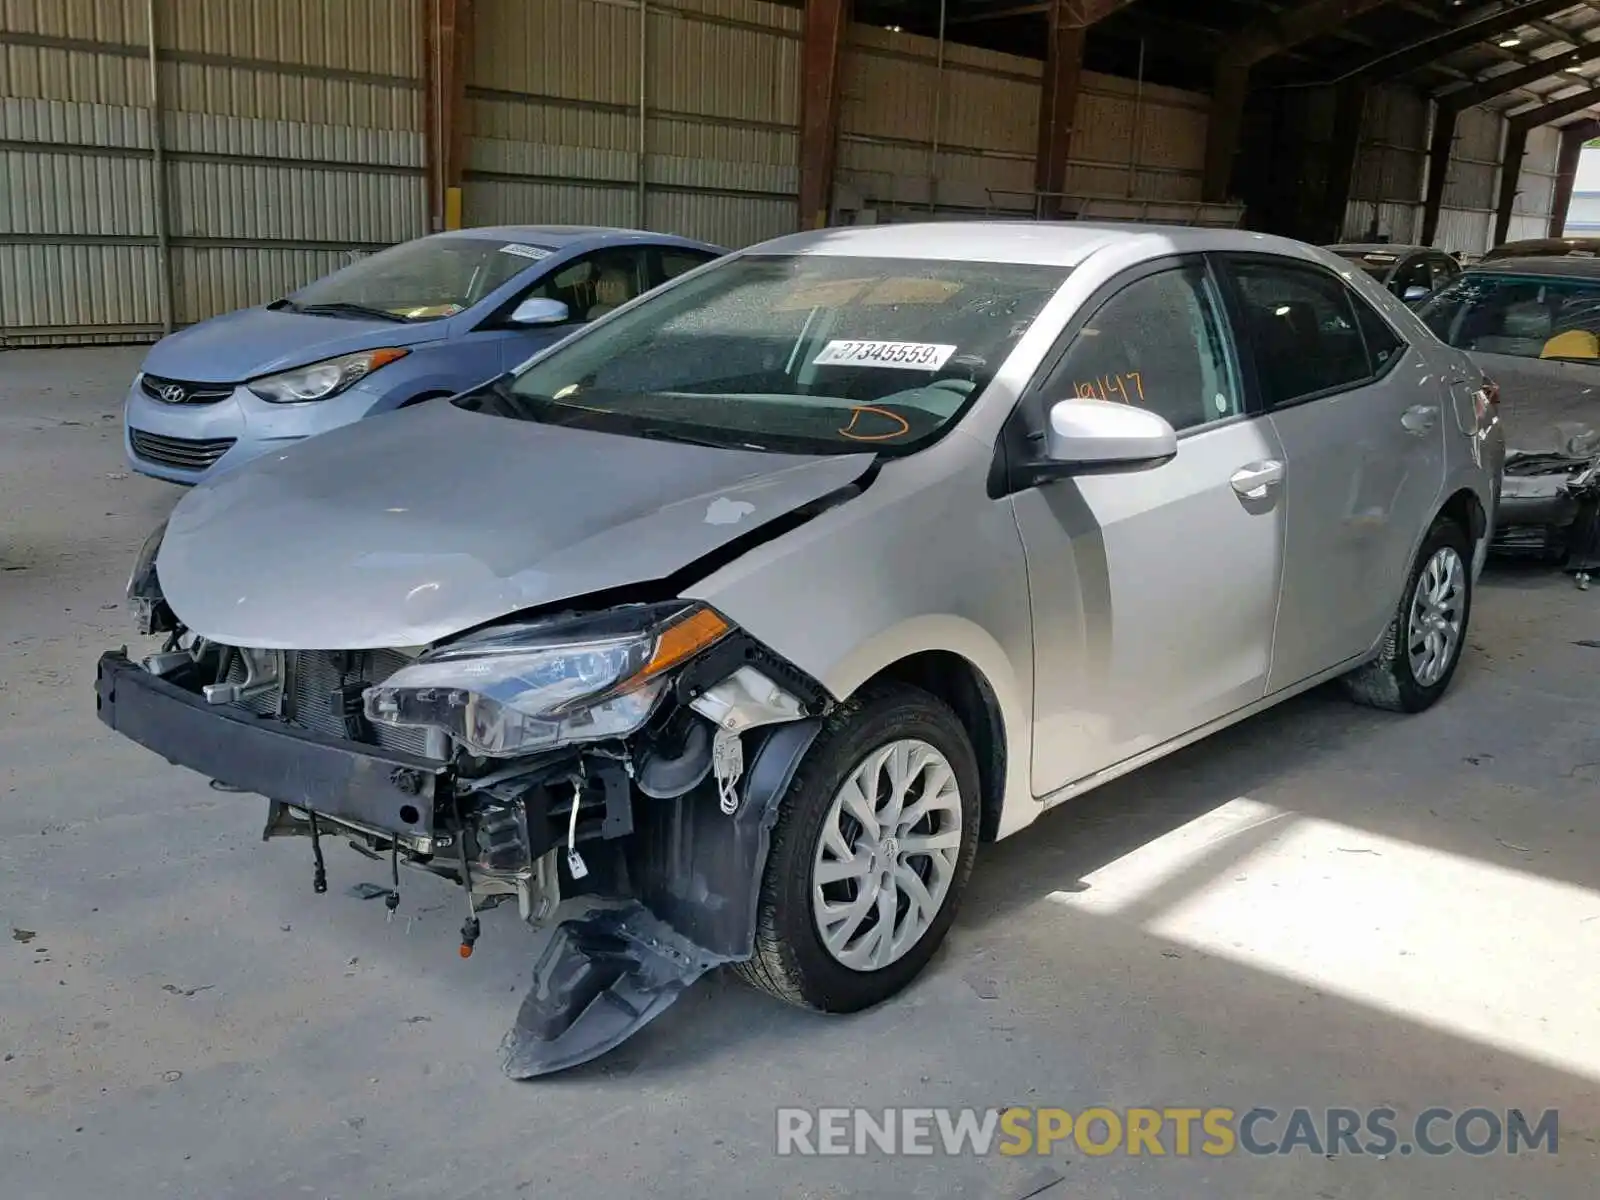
pixel 669 435
pixel 343 308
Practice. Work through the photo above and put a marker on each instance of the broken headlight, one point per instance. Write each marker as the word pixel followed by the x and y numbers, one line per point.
pixel 150 611
pixel 519 689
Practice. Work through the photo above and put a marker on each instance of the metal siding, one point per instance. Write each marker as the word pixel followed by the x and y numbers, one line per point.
pixel 95 20
pixel 731 221
pixel 756 75
pixel 75 194
pixel 302 154
pixel 1400 223
pixel 1467 230
pixel 51 74
pixel 375 36
pixel 1536 183
pixel 213 279
pixel 77 285
pixel 518 202
pixel 1143 142
pixel 577 49
pixel 301 204
pixel 566 119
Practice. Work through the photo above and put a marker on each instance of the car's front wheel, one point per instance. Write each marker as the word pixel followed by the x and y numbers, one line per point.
pixel 874 843
pixel 1424 641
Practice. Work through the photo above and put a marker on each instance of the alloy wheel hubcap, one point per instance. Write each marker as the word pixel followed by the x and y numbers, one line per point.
pixel 1433 629
pixel 887 855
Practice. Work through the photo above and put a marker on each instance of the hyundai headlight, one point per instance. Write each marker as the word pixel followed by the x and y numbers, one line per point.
pixel 320 380
pixel 519 689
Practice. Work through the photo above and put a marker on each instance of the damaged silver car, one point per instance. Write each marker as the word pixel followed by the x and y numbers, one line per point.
pixel 726 630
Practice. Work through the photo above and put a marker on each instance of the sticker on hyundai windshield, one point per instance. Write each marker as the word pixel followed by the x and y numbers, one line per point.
pixel 904 356
pixel 521 251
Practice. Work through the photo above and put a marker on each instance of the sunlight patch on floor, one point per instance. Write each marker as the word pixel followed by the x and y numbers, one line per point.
pixel 1502 956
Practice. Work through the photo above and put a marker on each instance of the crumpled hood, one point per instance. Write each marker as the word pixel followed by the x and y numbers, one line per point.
pixel 407 527
pixel 258 341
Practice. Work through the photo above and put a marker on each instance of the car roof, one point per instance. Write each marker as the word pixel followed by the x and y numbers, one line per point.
pixel 1042 243
pixel 560 237
pixel 1381 248
pixel 1545 247
pixel 1541 264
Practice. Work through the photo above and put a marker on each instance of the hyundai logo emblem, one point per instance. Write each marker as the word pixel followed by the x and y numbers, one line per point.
pixel 174 393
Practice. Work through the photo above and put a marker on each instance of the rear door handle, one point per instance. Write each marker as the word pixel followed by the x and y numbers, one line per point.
pixel 1420 418
pixel 1254 480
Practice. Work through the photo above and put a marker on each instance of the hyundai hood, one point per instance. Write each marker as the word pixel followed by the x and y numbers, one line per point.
pixel 261 341
pixel 408 527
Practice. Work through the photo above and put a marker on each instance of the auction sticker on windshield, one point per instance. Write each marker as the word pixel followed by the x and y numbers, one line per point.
pixel 522 251
pixel 909 356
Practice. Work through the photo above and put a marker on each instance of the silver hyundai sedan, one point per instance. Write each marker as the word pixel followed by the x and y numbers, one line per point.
pixel 724 631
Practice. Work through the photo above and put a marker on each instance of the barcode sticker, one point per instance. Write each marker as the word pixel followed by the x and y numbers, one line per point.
pixel 902 356
pixel 521 251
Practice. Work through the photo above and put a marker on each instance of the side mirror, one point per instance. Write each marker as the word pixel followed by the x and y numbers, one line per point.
pixel 540 311
pixel 1087 436
pixel 1414 293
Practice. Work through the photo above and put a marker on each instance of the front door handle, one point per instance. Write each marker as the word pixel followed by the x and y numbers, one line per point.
pixel 1255 480
pixel 1419 418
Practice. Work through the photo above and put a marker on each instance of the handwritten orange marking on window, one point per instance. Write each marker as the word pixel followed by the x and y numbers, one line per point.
pixel 855 415
pixel 1111 387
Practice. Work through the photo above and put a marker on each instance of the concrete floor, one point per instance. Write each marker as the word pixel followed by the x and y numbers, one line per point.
pixel 1325 907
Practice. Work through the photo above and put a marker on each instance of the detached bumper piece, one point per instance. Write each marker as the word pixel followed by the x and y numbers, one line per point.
pixel 382 790
pixel 602 978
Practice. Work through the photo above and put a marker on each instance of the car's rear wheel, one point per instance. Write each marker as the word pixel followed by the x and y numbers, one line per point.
pixel 1424 642
pixel 874 843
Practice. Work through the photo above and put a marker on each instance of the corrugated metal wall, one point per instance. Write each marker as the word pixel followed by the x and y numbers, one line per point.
pixel 1536 185
pixel 291 131
pixel 1466 218
pixel 554 97
pixel 1391 163
pixel 919 138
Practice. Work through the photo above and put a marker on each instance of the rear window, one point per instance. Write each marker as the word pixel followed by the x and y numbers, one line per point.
pixel 1519 315
pixel 1376 263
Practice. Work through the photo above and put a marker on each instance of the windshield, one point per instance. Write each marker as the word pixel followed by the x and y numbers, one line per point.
pixel 426 279
pixel 1377 265
pixel 805 353
pixel 1519 315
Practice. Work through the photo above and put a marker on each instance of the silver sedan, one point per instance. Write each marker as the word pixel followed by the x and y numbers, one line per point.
pixel 744 615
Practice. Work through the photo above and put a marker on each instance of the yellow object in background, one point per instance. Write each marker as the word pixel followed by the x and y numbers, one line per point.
pixel 1574 343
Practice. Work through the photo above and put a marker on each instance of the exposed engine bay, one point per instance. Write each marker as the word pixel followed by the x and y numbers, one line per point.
pixel 633 756
pixel 1550 503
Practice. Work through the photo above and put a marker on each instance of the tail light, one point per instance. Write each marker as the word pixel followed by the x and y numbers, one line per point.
pixel 1486 402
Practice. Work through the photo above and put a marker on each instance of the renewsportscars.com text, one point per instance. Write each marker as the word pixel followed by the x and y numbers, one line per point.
pixel 1178 1132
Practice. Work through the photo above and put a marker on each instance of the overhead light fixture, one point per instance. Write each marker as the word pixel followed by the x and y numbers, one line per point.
pixel 1507 43
pixel 1574 70
pixel 894 29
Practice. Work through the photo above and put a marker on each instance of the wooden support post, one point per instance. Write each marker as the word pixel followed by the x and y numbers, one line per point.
pixel 822 49
pixel 447 50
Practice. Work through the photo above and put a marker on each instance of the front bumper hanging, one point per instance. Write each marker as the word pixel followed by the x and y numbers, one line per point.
pixel 377 789
pixel 693 872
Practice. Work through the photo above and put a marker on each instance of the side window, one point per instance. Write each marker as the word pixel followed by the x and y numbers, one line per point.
pixel 1444 272
pixel 593 285
pixel 672 261
pixel 1302 330
pixel 1414 274
pixel 1157 343
pixel 1384 345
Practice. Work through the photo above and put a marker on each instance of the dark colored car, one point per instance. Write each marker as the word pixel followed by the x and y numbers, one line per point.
pixel 1413 273
pixel 1562 247
pixel 1533 325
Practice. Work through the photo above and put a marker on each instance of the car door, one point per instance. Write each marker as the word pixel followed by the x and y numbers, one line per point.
pixel 1359 415
pixel 590 285
pixel 1153 592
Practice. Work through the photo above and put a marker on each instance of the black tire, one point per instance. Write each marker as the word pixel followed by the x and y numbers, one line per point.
pixel 790 960
pixel 1387 682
